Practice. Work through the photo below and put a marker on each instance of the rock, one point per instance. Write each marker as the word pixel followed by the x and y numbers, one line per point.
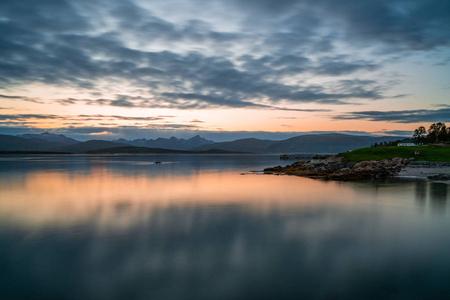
pixel 439 177
pixel 397 160
pixel 343 171
pixel 405 161
pixel 359 165
pixel 336 168
pixel 273 170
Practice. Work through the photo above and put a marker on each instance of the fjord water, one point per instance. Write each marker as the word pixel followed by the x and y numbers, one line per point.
pixel 203 227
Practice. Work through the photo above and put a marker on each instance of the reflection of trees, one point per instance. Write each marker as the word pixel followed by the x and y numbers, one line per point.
pixel 438 195
pixel 421 192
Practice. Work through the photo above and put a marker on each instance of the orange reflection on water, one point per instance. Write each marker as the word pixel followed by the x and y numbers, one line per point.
pixel 45 197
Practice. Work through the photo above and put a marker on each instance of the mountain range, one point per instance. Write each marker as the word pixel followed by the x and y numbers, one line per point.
pixel 318 143
pixel 312 143
pixel 172 143
pixel 50 137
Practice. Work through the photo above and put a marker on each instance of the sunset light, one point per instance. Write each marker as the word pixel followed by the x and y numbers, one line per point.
pixel 83 67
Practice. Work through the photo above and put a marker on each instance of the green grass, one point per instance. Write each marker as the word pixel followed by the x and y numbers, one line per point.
pixel 427 153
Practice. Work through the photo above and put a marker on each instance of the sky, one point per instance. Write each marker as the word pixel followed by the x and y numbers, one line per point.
pixel 226 69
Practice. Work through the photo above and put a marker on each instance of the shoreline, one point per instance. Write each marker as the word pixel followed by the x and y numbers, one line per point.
pixel 425 170
pixel 336 168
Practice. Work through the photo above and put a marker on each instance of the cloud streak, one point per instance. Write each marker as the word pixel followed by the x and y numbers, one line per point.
pixel 97 117
pixel 402 116
pixel 63 44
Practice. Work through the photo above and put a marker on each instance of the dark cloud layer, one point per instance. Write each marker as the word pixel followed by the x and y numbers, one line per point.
pixel 191 63
pixel 396 24
pixel 402 116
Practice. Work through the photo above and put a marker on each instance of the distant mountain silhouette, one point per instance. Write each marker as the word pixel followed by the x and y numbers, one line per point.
pixel 144 150
pixel 35 142
pixel 245 145
pixel 172 143
pixel 50 137
pixel 14 143
pixel 317 143
pixel 325 143
pixel 90 146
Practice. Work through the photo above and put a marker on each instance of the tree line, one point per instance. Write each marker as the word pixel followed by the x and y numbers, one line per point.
pixel 437 133
pixel 388 144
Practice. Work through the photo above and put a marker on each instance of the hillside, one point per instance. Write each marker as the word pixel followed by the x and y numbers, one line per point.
pixel 145 150
pixel 57 139
pixel 426 153
pixel 325 143
pixel 318 143
pixel 172 143
pixel 90 146
pixel 242 145
pixel 14 143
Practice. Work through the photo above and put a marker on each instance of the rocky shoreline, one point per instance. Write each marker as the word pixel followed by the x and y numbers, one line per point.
pixel 427 169
pixel 336 168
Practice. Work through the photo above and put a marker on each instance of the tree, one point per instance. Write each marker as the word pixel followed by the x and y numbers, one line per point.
pixel 437 132
pixel 442 135
pixel 419 135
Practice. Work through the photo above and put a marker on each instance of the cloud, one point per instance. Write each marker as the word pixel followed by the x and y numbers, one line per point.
pixel 11 97
pixel 402 116
pixel 335 66
pixel 396 132
pixel 411 25
pixel 443 105
pixel 34 100
pixel 183 101
pixel 18 119
pixel 264 56
pixel 72 49
pixel 101 133
pixel 25 117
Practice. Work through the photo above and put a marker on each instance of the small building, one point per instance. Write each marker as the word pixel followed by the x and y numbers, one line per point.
pixel 409 142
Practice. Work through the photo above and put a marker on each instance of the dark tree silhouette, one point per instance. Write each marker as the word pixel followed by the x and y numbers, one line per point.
pixel 419 135
pixel 437 132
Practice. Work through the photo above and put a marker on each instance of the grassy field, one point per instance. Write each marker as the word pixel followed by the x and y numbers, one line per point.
pixel 427 153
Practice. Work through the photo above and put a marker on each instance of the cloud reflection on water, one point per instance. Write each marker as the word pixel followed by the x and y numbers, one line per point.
pixel 114 232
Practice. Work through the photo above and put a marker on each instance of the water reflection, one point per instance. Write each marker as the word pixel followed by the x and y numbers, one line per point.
pixel 230 252
pixel 199 231
pixel 438 196
pixel 421 191
pixel 49 197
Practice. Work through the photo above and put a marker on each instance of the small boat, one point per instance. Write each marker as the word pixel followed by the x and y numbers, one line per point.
pixel 157 162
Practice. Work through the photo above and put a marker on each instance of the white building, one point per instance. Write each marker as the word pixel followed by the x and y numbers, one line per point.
pixel 407 143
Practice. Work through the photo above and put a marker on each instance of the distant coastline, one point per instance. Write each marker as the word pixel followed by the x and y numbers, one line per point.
pixel 125 150
pixel 33 152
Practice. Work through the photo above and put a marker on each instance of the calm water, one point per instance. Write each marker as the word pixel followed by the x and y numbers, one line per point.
pixel 195 227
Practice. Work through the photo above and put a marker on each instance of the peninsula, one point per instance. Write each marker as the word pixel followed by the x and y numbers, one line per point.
pixel 432 161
